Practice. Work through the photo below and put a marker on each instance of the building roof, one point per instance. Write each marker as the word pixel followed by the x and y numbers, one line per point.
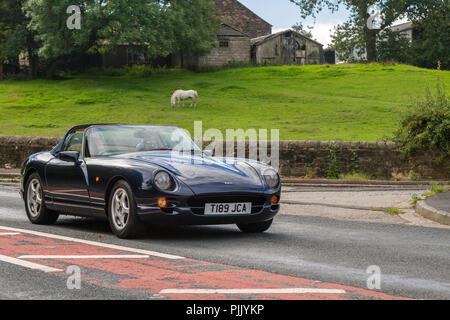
pixel 219 5
pixel 259 40
pixel 229 31
pixel 402 27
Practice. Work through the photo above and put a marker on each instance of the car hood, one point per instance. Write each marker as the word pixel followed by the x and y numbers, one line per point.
pixel 206 174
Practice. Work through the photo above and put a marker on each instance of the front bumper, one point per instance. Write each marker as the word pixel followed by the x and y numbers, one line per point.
pixel 185 216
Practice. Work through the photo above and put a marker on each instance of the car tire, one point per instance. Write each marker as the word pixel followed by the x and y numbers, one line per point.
pixel 34 200
pixel 122 212
pixel 257 227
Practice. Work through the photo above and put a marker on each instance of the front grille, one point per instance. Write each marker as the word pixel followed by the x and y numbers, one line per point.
pixel 197 203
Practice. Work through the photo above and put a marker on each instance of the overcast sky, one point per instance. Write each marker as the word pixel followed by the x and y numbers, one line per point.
pixel 283 14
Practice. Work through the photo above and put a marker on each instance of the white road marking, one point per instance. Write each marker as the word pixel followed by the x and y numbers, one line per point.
pixel 94 243
pixel 110 256
pixel 9 233
pixel 27 264
pixel 252 291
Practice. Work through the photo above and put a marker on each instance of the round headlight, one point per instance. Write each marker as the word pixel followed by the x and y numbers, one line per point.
pixel 163 181
pixel 272 178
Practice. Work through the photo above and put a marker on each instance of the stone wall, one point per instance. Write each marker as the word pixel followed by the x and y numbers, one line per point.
pixel 297 158
pixel 238 50
pixel 240 17
pixel 15 149
pixel 374 159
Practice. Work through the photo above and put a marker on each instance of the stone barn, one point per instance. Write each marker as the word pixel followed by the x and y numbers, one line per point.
pixel 239 25
pixel 286 47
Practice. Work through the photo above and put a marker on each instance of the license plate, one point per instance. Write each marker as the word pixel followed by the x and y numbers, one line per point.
pixel 228 208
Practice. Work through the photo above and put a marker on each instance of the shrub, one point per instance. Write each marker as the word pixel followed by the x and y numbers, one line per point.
pixel 14 77
pixel 425 125
pixel 135 71
pixel 230 65
pixel 333 170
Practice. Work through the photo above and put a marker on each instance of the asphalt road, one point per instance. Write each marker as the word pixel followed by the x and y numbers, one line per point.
pixel 441 201
pixel 414 261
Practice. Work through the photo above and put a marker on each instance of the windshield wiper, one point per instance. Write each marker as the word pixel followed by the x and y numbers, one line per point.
pixel 161 149
pixel 180 151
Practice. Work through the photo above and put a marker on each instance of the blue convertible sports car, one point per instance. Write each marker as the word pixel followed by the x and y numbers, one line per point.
pixel 140 173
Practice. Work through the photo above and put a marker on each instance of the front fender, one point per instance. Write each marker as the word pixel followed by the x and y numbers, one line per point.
pixel 137 174
pixel 34 163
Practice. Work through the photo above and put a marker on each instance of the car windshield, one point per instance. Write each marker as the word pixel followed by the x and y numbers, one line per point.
pixel 114 140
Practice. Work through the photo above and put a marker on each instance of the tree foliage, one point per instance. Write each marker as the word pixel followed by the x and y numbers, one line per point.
pixel 348 41
pixel 163 26
pixel 393 46
pixel 39 28
pixel 357 23
pixel 15 36
pixel 298 27
pixel 431 20
pixel 432 34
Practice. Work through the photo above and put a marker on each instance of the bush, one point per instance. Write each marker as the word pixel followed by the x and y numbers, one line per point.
pixel 425 124
pixel 135 71
pixel 14 77
pixel 333 169
pixel 228 66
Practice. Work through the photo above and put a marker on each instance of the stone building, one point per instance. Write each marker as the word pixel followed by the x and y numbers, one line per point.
pixel 232 46
pixel 239 25
pixel 238 16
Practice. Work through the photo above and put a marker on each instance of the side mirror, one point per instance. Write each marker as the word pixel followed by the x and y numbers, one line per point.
pixel 69 156
pixel 208 153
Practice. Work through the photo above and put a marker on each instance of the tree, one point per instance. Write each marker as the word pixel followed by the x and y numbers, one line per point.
pixel 194 25
pixel 164 26
pixel 393 46
pixel 390 10
pixel 15 36
pixel 348 42
pixel 300 29
pixel 431 21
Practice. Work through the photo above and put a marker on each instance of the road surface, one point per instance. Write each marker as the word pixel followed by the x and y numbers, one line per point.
pixel 301 257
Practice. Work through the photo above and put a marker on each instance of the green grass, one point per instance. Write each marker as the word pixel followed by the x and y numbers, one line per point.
pixel 435 189
pixel 355 177
pixel 342 102
pixel 393 211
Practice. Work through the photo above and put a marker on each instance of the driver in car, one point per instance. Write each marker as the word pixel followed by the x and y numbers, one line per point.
pixel 148 143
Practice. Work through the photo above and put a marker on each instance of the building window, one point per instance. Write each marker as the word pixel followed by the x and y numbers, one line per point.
pixel 223 44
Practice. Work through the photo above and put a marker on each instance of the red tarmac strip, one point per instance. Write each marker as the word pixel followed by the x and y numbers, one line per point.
pixel 171 278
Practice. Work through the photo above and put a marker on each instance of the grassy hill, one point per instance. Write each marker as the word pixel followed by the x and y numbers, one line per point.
pixel 342 102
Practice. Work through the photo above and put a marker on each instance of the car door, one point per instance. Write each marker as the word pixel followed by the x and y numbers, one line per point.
pixel 67 182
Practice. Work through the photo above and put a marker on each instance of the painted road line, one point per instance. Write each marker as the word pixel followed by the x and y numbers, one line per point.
pixel 28 264
pixel 94 243
pixel 9 233
pixel 252 291
pixel 161 276
pixel 110 256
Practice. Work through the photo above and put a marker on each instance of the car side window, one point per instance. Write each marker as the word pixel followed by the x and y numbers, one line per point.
pixel 73 142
